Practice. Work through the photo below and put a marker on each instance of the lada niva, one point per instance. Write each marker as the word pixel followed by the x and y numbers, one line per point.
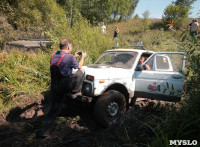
pixel 114 79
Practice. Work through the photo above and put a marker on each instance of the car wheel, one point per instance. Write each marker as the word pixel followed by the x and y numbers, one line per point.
pixel 109 108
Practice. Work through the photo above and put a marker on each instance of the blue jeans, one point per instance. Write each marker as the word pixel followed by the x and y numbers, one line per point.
pixel 194 34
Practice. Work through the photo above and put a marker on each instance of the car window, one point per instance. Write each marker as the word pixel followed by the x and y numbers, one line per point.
pixel 117 59
pixel 166 62
pixel 150 63
pixel 162 62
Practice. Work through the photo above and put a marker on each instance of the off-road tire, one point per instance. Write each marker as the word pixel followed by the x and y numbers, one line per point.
pixel 101 113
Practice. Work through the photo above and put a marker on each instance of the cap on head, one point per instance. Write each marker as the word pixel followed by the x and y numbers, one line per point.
pixel 64 43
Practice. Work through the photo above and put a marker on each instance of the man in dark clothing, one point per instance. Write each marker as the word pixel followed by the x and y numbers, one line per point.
pixel 62 80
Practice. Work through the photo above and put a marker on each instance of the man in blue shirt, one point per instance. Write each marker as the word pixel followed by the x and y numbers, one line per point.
pixel 62 80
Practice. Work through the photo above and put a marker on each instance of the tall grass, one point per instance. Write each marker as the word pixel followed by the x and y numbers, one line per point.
pixel 183 123
pixel 154 38
pixel 23 73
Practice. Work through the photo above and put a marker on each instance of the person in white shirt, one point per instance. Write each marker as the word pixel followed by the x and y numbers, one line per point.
pixel 103 28
pixel 194 29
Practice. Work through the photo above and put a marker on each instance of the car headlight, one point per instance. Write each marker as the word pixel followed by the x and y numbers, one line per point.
pixel 87 89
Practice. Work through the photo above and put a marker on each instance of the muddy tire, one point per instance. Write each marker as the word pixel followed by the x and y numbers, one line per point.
pixel 109 108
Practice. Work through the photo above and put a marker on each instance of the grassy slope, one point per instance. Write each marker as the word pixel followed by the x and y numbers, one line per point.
pixel 155 39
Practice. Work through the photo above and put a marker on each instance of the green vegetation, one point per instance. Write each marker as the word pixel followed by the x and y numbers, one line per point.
pixel 183 123
pixel 23 75
pixel 97 11
pixel 176 14
pixel 33 18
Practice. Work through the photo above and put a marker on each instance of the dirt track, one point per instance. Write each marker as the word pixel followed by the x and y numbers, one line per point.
pixel 76 125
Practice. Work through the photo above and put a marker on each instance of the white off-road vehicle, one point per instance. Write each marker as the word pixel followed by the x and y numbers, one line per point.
pixel 114 79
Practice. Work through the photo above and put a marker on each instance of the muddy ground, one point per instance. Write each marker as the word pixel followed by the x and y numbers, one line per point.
pixel 76 125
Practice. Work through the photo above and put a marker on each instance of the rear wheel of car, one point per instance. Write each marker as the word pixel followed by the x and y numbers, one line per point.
pixel 109 108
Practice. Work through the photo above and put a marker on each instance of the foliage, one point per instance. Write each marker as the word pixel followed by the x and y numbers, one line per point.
pixel 28 19
pixel 24 15
pixel 23 73
pixel 175 15
pixel 6 31
pixel 146 20
pixel 184 3
pixel 32 18
pixel 84 38
pixel 136 17
pixel 184 122
pixel 96 11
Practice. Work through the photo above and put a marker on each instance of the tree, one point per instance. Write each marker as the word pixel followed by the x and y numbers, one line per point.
pixel 136 17
pixel 146 20
pixel 98 10
pixel 176 14
pixel 184 3
pixel 132 7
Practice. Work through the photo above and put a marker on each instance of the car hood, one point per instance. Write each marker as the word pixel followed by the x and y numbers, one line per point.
pixel 107 72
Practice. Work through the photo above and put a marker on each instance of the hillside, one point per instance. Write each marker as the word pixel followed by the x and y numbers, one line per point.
pixel 25 94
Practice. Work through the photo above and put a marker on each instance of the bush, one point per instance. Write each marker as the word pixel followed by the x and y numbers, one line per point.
pixel 6 31
pixel 175 15
pixel 146 20
pixel 83 37
pixel 136 17
pixel 28 19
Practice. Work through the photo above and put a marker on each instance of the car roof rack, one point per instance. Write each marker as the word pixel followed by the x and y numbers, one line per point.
pixel 139 45
pixel 130 47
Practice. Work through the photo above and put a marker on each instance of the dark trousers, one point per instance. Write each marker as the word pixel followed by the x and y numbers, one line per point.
pixel 59 88
pixel 194 34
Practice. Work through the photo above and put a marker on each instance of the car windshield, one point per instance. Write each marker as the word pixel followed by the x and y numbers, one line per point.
pixel 117 59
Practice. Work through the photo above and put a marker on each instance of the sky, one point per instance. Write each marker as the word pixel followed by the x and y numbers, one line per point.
pixel 156 8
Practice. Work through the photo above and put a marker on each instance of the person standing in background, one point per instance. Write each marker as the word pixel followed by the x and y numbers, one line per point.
pixel 116 32
pixel 191 24
pixel 194 29
pixel 103 28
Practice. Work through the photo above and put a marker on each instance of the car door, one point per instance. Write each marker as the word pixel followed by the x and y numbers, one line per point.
pixel 164 80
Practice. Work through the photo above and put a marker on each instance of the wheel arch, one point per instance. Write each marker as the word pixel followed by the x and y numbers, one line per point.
pixel 121 88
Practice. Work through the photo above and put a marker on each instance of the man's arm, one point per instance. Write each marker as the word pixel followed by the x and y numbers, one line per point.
pixel 147 67
pixel 82 59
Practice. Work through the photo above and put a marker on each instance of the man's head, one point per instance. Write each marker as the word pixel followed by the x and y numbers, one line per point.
pixel 142 59
pixel 102 23
pixel 65 45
